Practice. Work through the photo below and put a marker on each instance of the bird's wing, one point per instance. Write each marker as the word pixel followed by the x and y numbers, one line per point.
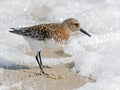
pixel 39 32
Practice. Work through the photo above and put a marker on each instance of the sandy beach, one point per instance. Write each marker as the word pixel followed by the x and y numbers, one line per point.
pixel 60 76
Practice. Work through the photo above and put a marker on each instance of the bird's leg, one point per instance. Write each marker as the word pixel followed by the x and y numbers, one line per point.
pixel 40 66
pixel 41 60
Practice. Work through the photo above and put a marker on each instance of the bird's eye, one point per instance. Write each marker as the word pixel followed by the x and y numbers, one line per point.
pixel 76 24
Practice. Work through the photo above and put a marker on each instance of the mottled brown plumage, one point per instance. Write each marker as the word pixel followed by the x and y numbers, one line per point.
pixel 48 31
pixel 57 31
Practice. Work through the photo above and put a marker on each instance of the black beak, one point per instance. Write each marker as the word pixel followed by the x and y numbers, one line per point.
pixel 83 31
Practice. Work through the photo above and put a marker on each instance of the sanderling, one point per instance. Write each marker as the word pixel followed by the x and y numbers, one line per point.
pixel 58 32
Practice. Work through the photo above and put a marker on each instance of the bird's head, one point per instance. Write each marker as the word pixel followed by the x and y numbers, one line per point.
pixel 74 25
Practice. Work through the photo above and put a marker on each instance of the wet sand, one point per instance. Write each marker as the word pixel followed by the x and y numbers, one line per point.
pixel 60 76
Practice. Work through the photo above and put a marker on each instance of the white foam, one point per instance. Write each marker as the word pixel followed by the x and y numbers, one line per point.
pixel 97 57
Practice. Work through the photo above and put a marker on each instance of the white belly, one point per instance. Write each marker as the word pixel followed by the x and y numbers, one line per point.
pixel 38 45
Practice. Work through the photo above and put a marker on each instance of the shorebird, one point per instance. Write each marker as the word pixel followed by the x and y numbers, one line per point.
pixel 58 32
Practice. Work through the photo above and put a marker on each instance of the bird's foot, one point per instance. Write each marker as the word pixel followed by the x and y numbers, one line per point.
pixel 45 66
pixel 44 73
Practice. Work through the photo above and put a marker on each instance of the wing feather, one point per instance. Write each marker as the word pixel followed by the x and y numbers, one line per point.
pixel 35 32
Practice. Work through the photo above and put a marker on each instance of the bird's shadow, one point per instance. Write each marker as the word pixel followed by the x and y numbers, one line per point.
pixel 61 53
pixel 70 65
pixel 6 64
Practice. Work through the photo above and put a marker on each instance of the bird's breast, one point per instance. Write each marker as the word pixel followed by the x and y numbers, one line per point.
pixel 61 35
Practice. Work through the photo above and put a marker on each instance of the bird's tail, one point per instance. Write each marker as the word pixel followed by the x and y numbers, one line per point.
pixel 19 31
pixel 15 31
